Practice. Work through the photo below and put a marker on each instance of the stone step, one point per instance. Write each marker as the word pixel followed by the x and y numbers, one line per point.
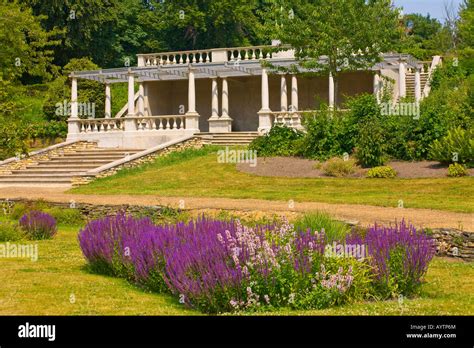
pixel 64 166
pixel 89 157
pixel 36 170
pixel 49 176
pixel 35 179
pixel 75 161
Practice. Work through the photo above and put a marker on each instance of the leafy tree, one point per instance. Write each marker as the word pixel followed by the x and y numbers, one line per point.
pixel 423 36
pixel 84 28
pixel 197 24
pixel 60 91
pixel 350 34
pixel 26 47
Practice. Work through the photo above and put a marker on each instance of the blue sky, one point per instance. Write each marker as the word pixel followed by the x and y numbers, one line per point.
pixel 434 7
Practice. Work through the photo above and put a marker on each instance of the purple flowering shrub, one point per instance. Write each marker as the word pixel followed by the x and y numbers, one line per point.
pixel 399 256
pixel 222 266
pixel 38 225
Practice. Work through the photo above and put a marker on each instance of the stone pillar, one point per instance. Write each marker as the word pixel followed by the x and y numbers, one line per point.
pixel 73 124
pixel 377 86
pixel 294 93
pixel 225 98
pixel 214 98
pixel 130 124
pixel 331 91
pixel 417 85
pixel 402 85
pixel 141 99
pixel 283 94
pixel 221 124
pixel 264 118
pixel 108 101
pixel 192 117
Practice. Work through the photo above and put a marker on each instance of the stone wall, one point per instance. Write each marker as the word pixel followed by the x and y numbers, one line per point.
pixel 194 143
pixel 94 211
pixel 45 156
pixel 454 243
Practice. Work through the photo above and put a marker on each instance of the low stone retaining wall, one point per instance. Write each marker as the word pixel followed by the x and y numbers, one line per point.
pixel 94 211
pixel 34 158
pixel 193 143
pixel 449 241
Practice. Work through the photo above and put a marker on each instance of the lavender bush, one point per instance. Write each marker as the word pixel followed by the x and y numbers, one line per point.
pixel 221 266
pixel 399 255
pixel 38 225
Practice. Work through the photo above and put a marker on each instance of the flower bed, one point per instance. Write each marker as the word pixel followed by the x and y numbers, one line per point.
pixel 224 266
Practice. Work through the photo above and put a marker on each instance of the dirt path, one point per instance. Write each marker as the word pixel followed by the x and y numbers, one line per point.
pixel 364 214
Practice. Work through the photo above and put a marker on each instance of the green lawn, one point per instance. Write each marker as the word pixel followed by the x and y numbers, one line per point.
pixel 46 287
pixel 196 173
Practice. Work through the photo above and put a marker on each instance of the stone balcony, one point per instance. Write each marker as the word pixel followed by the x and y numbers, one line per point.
pixel 216 55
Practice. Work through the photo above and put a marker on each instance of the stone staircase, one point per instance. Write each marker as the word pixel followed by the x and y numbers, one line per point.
pixel 410 83
pixel 233 138
pixel 59 169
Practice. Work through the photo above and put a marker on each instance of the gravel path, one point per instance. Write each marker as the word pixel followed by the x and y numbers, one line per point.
pixel 362 213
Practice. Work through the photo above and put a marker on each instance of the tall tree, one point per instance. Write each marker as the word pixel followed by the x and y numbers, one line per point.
pixel 87 27
pixel 348 34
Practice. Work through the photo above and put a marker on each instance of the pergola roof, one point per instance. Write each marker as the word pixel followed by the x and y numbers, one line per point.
pixel 219 69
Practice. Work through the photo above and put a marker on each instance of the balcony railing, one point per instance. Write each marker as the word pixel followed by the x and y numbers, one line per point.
pixel 213 55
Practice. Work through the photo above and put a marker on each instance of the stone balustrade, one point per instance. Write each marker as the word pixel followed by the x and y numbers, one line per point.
pixel 287 118
pixel 100 125
pixel 161 122
pixel 179 58
pixel 213 55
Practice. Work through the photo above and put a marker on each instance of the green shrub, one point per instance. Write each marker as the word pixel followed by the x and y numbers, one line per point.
pixel 381 172
pixel 339 167
pixel 279 141
pixel 370 150
pixel 456 146
pixel 456 170
pixel 317 221
pixel 9 231
pixel 325 135
pixel 66 216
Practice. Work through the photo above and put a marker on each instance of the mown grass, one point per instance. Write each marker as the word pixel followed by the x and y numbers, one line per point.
pixel 196 173
pixel 47 286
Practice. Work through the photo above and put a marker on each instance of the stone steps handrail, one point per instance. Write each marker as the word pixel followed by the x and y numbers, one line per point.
pixel 96 171
pixel 41 151
pixel 437 60
pixel 125 107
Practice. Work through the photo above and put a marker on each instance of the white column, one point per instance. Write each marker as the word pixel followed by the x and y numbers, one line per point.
pixel 264 118
pixel 377 86
pixel 214 98
pixel 74 97
pixel 331 91
pixel 73 121
pixel 294 93
pixel 283 94
pixel 131 94
pixel 402 86
pixel 141 99
pixel 192 117
pixel 191 92
pixel 265 94
pixel 225 98
pixel 130 124
pixel 417 85
pixel 108 101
